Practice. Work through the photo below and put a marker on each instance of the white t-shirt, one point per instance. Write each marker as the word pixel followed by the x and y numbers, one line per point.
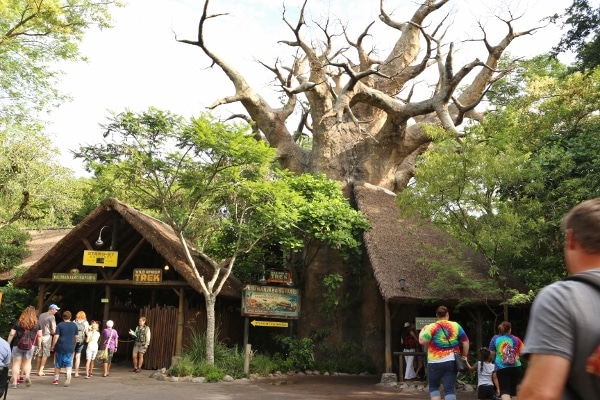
pixel 484 376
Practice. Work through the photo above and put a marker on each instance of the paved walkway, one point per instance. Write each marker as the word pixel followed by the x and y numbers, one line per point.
pixel 122 384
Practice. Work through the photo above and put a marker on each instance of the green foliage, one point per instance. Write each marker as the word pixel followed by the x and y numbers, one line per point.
pixel 582 37
pixel 332 296
pixel 14 301
pixel 346 358
pixel 36 36
pixel 35 191
pixel 299 352
pixel 13 247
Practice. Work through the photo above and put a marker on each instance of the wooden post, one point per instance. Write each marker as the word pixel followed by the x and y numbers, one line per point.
pixel 180 323
pixel 388 338
pixel 40 304
pixel 106 306
pixel 248 352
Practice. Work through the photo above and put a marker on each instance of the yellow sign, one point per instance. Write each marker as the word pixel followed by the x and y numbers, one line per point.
pixel 100 258
pixel 147 276
pixel 270 323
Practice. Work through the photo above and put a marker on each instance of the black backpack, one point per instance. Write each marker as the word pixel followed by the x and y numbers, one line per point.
pixel 80 332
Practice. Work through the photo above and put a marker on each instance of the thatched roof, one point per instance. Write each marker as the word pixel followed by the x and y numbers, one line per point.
pixel 133 229
pixel 398 247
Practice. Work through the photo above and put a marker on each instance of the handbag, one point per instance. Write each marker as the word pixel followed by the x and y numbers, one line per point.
pixel 102 355
pixel 461 363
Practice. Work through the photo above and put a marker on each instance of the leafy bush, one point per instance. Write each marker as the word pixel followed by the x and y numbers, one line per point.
pixel 262 365
pixel 211 373
pixel 346 358
pixel 299 351
pixel 14 301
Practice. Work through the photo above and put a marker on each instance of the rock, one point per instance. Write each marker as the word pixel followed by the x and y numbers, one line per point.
pixel 199 379
pixel 387 378
pixel 227 378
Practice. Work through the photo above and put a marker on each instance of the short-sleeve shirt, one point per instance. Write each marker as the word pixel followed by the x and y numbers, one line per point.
pixel 444 337
pixel 66 332
pixel 563 322
pixel 109 337
pixel 19 331
pixel 46 320
pixel 499 342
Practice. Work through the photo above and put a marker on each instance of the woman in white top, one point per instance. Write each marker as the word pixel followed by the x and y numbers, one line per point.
pixel 487 382
pixel 92 349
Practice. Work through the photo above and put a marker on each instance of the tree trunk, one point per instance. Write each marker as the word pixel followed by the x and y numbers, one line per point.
pixel 210 328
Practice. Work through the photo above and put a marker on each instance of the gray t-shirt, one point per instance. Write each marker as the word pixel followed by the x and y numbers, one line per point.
pixel 46 321
pixel 564 322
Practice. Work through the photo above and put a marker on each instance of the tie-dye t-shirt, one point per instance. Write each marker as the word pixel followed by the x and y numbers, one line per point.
pixel 499 344
pixel 443 337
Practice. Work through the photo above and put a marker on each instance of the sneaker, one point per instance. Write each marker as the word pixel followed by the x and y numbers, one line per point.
pixel 27 382
pixel 20 379
pixel 14 386
pixel 41 373
pixel 87 376
pixel 55 382
pixel 68 381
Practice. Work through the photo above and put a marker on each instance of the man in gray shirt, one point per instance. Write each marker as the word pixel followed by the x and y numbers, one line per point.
pixel 47 323
pixel 564 329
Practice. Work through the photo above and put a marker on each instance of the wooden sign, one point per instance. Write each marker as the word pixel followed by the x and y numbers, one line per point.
pixel 147 276
pixel 271 301
pixel 273 324
pixel 69 277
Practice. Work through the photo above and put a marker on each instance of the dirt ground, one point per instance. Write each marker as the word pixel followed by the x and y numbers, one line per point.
pixel 124 384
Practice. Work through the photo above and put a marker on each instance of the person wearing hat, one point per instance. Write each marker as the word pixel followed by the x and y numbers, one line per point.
pixel 47 323
pixel 409 343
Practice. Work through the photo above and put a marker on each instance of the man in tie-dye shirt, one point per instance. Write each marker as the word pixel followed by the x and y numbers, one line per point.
pixel 442 339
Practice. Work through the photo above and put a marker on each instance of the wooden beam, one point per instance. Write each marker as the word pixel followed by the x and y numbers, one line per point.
pixel 114 282
pixel 129 257
pixel 180 323
pixel 388 338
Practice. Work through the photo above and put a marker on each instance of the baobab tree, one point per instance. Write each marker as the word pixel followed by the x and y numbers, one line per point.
pixel 366 118
pixel 357 109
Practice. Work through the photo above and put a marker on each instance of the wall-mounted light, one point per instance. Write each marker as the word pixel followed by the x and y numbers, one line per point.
pixel 100 242
pixel 166 267
pixel 402 282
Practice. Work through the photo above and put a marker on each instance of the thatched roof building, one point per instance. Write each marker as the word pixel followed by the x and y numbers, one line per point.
pixel 401 247
pixel 130 231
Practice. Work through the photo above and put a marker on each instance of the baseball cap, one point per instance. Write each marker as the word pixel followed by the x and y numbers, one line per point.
pixel 53 307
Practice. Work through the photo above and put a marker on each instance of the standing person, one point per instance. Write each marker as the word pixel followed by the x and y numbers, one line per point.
pixel 142 341
pixel 82 328
pixel 24 336
pixel 5 357
pixel 91 350
pixel 564 329
pixel 487 380
pixel 506 350
pixel 409 343
pixel 63 344
pixel 47 322
pixel 442 339
pixel 110 341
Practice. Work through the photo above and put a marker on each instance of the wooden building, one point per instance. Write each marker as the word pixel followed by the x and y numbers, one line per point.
pixel 151 277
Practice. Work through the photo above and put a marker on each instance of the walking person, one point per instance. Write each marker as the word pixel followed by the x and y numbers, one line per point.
pixel 506 350
pixel 442 339
pixel 63 344
pixel 24 335
pixel 47 322
pixel 142 341
pixel 409 343
pixel 82 328
pixel 110 341
pixel 563 332
pixel 91 349
pixel 487 380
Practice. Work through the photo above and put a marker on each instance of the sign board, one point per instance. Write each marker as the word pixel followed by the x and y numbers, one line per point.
pixel 147 276
pixel 100 258
pixel 275 324
pixel 103 300
pixel 69 277
pixel 420 322
pixel 271 301
pixel 278 276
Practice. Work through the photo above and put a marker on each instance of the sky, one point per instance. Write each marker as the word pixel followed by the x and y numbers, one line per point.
pixel 139 64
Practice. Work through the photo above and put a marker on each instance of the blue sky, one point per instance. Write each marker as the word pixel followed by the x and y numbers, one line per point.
pixel 138 63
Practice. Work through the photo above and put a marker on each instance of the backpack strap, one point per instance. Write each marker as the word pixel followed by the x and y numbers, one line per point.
pixel 592 280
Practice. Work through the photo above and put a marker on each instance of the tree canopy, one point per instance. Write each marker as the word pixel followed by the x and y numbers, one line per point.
pixel 217 187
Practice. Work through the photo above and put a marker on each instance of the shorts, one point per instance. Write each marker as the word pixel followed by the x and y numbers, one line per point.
pixel 79 347
pixel 508 379
pixel 63 360
pixel 91 352
pixel 26 354
pixel 486 391
pixel 46 346
pixel 139 348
